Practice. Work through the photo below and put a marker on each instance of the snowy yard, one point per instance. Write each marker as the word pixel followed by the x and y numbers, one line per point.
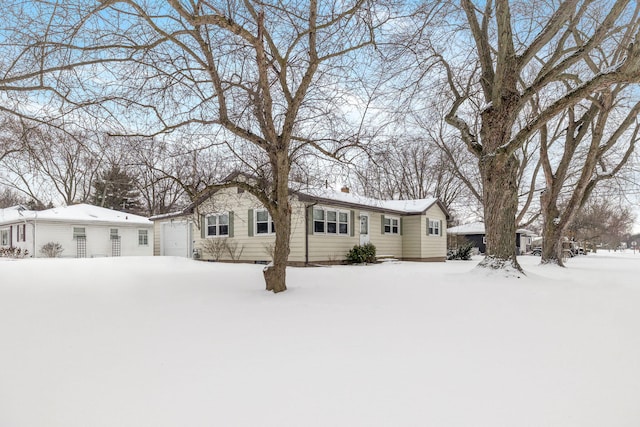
pixel 155 342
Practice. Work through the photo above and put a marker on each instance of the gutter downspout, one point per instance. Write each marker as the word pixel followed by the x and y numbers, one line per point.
pixel 306 233
pixel 35 235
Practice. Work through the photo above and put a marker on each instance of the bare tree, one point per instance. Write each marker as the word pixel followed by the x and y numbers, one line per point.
pixel 596 143
pixel 9 197
pixel 546 56
pixel 255 77
pixel 602 222
pixel 51 161
pixel 408 169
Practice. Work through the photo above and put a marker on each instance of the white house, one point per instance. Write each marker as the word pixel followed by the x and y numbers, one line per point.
pixel 82 230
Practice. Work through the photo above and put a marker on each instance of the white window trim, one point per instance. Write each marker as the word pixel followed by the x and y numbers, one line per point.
pixel 337 221
pixel 436 226
pixel 75 236
pixel 391 220
pixel 4 233
pixel 146 237
pixel 217 226
pixel 270 225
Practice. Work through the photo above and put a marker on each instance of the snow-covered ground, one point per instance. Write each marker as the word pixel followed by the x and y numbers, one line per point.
pixel 171 342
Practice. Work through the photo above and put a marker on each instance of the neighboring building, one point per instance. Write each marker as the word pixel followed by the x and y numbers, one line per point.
pixel 82 231
pixel 231 225
pixel 475 233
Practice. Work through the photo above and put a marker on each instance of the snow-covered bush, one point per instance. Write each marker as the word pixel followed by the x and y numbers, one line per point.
pixel 13 252
pixel 51 250
pixel 362 254
pixel 462 253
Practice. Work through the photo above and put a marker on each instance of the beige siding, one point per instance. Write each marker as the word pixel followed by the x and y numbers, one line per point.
pixel 322 247
pixel 434 246
pixel 156 237
pixel 412 236
pixel 386 244
pixel 334 248
pixel 248 248
pixel 412 243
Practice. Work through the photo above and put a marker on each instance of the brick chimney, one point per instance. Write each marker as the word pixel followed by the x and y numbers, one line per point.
pixel 344 189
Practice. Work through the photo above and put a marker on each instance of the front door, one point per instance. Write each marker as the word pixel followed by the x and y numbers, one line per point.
pixel 364 228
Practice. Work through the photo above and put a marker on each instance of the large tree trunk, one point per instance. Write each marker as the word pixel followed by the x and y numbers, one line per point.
pixel 552 231
pixel 500 193
pixel 275 274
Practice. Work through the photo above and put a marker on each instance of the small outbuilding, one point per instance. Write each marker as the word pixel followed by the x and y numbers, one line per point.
pixel 475 233
pixel 82 231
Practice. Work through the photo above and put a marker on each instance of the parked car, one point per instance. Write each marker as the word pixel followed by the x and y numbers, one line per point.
pixel 537 251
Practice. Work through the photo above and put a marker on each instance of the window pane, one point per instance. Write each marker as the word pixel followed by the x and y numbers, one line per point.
pixel 318 226
pixel 262 228
pixel 343 229
pixel 331 227
pixel 344 217
pixel 262 216
pixel 142 237
pixel 223 219
pixel 364 225
pixel 387 228
pixel 331 215
pixel 387 222
pixel 211 220
pixel 318 214
pixel 394 229
pixel 224 230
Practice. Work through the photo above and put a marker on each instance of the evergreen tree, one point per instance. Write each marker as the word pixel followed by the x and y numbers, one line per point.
pixel 115 189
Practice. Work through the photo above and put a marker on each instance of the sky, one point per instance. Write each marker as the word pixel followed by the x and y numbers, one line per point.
pixel 160 341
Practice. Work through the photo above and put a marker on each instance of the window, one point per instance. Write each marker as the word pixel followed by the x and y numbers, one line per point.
pixel 4 237
pixel 22 233
pixel 391 225
pixel 143 237
pixel 434 227
pixel 330 221
pixel 264 222
pixel 318 220
pixel 79 233
pixel 113 234
pixel 218 225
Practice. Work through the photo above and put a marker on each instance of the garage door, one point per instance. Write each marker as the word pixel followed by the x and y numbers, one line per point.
pixel 176 240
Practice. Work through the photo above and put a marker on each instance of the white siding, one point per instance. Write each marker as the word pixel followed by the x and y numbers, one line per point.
pixel 98 240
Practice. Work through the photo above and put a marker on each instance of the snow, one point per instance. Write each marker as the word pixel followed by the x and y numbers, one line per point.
pixel 74 213
pixel 478 228
pixel 404 206
pixel 160 341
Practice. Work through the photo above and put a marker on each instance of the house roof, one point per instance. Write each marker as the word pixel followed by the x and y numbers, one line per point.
pixel 478 228
pixel 416 206
pixel 81 213
pixel 327 196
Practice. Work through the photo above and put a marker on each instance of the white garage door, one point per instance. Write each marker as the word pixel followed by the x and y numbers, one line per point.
pixel 176 240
